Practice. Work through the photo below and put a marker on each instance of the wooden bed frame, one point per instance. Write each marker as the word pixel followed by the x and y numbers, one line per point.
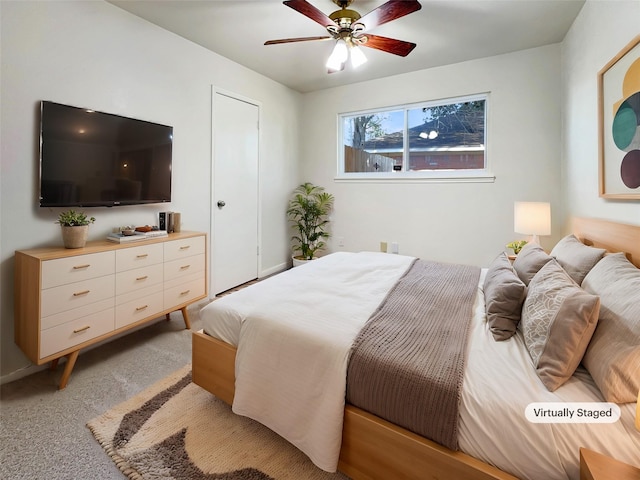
pixel 373 448
pixel 615 237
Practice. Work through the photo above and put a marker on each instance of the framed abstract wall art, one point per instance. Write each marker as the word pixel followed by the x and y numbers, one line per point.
pixel 619 124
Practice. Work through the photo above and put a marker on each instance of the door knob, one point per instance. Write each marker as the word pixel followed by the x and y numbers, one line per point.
pixel 221 203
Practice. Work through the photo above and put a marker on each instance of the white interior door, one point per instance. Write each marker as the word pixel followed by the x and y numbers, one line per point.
pixel 234 235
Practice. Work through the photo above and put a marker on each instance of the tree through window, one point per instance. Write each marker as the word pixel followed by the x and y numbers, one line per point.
pixel 422 139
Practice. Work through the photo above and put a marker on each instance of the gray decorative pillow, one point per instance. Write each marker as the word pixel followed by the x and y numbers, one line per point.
pixel 575 257
pixel 530 259
pixel 504 294
pixel 558 320
pixel 613 356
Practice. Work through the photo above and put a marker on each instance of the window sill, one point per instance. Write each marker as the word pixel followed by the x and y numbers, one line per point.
pixel 417 177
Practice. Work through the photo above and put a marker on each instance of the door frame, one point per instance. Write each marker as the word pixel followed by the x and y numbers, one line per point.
pixel 215 91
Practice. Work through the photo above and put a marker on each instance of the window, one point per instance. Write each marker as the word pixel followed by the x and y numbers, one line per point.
pixel 431 140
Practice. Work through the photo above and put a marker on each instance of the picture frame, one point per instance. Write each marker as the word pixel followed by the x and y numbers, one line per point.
pixel 619 124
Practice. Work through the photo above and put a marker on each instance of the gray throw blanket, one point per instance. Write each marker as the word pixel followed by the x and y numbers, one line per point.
pixel 406 365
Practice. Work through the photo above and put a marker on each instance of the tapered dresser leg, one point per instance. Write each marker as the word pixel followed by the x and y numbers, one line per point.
pixel 185 315
pixel 68 368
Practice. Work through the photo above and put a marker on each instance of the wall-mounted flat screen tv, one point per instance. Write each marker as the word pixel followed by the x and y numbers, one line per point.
pixel 92 159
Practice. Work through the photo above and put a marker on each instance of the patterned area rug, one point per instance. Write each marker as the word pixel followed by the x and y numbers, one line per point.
pixel 177 430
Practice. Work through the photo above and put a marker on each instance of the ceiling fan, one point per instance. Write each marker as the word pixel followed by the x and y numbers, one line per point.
pixel 350 30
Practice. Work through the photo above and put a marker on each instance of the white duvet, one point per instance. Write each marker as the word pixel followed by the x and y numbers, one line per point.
pixel 291 370
pixel 294 331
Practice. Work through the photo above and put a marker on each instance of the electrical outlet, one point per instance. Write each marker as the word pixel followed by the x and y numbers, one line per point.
pixel 394 247
pixel 341 241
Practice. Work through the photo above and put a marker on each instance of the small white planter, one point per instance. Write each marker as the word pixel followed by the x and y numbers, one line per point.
pixel 297 261
pixel 75 237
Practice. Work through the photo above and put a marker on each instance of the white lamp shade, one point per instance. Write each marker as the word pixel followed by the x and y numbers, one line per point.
pixel 532 218
pixel 357 57
pixel 338 56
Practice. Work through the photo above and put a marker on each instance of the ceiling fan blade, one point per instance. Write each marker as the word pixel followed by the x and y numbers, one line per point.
pixel 310 11
pixel 389 11
pixel 299 39
pixel 390 45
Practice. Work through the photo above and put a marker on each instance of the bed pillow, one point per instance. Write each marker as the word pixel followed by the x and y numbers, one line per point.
pixel 613 356
pixel 530 259
pixel 558 320
pixel 504 294
pixel 575 257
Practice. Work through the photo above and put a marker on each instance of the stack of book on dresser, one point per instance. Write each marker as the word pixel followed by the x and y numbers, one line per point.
pixel 136 237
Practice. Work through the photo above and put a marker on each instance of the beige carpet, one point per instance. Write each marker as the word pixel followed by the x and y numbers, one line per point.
pixel 176 430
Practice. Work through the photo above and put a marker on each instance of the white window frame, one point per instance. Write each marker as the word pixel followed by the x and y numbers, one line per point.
pixel 435 176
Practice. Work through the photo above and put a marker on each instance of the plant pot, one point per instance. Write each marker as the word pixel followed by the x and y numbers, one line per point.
pixel 298 260
pixel 75 237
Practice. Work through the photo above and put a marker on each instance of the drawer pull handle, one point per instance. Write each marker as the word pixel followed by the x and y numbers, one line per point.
pixel 143 278
pixel 142 308
pixel 79 294
pixel 185 292
pixel 185 247
pixel 142 255
pixel 184 267
pixel 80 267
pixel 82 329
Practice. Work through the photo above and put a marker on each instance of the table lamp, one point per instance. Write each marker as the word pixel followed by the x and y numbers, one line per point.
pixel 532 218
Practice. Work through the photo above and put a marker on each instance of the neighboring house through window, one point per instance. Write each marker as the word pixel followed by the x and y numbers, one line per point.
pixel 440 140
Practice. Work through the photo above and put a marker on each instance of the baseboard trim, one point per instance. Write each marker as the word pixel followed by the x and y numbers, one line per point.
pixel 23 372
pixel 261 276
pixel 273 270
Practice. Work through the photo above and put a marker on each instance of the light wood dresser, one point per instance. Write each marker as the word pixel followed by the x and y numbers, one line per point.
pixel 68 299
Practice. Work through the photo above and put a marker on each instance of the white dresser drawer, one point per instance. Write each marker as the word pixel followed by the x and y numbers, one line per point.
pixel 143 292
pixel 139 278
pixel 67 297
pixel 138 309
pixel 184 292
pixel 75 332
pixel 140 256
pixel 183 267
pixel 183 248
pixel 76 269
pixel 69 315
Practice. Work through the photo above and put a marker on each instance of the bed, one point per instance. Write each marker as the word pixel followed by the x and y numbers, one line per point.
pixel 494 438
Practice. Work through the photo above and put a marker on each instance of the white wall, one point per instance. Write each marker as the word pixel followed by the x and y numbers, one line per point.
pixel 457 222
pixel 542 134
pixel 601 30
pixel 93 54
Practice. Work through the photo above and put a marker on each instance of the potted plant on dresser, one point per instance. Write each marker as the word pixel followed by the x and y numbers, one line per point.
pixel 309 209
pixel 75 228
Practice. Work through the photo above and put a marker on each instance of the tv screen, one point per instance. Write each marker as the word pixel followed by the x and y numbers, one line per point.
pixel 90 159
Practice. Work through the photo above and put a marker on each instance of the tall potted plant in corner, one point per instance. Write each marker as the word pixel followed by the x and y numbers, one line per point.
pixel 308 212
pixel 75 228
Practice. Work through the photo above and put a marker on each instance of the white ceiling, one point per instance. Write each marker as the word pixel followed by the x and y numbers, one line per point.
pixel 445 32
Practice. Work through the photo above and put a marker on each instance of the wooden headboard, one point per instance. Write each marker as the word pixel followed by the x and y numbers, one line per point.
pixel 614 236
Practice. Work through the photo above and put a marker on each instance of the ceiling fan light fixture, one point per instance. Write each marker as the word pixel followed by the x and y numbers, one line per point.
pixel 350 29
pixel 357 56
pixel 339 55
